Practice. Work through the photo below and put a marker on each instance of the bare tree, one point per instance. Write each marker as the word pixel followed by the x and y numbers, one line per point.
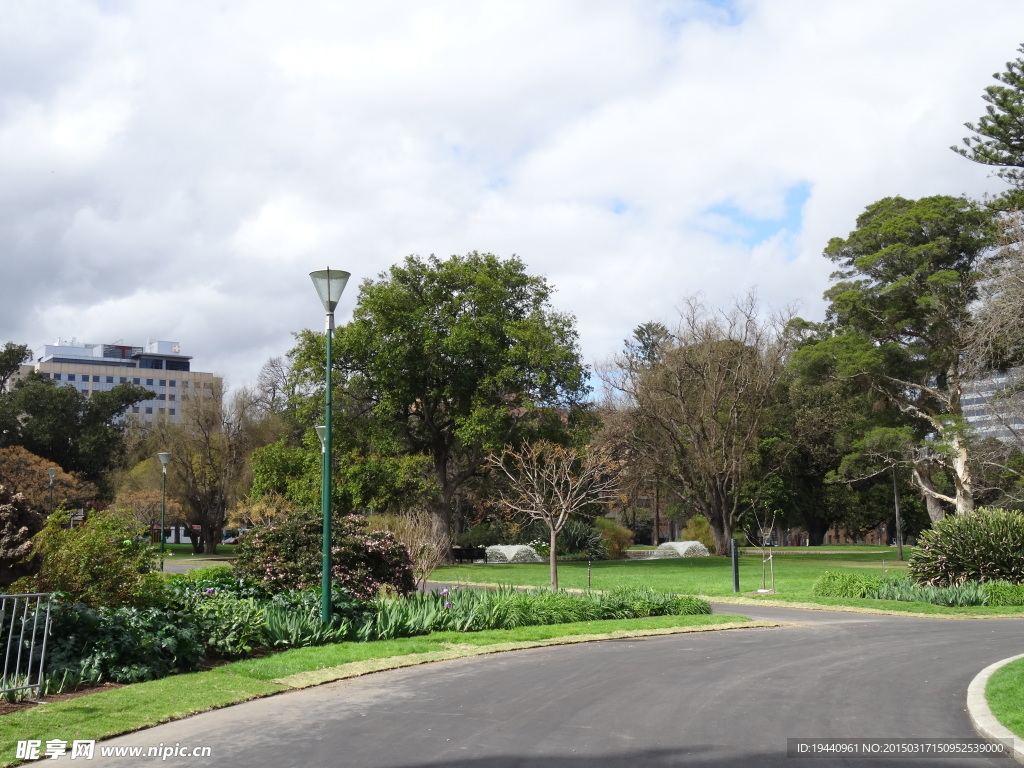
pixel 700 403
pixel 551 483
pixel 424 537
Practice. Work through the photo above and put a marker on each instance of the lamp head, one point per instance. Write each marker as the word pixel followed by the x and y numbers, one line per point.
pixel 164 458
pixel 321 432
pixel 329 284
pixel 52 472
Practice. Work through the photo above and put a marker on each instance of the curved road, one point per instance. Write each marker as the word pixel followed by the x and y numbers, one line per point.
pixel 712 699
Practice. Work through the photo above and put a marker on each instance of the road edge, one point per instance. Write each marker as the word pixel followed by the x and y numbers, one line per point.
pixel 984 722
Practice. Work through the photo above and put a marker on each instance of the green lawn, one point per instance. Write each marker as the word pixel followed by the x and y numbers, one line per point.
pixel 1005 695
pixel 712 576
pixel 184 552
pixel 108 713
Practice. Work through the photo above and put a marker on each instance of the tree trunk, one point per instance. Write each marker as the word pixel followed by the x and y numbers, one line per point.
pixel 721 532
pixel 552 561
pixel 657 516
pixel 963 478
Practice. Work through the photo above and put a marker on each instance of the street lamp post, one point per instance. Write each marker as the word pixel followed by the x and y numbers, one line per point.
pixel 52 472
pixel 164 458
pixel 329 286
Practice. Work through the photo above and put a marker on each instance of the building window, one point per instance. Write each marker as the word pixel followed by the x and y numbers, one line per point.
pixel 71 377
pixel 172 396
pixel 163 382
pixel 110 379
pixel 95 379
pixel 135 409
pixel 136 381
pixel 160 411
pixel 149 410
pixel 171 411
pixel 174 383
pixel 56 376
pixel 123 380
pixel 149 382
pixel 161 396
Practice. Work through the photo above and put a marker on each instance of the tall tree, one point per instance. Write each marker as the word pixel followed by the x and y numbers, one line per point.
pixel 900 312
pixel 450 360
pixel 210 448
pixel 25 473
pixel 998 138
pixel 702 404
pixel 81 433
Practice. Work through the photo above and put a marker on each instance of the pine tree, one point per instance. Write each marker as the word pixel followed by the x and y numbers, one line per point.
pixel 999 133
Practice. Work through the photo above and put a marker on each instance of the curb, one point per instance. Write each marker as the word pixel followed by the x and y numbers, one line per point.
pixel 982 719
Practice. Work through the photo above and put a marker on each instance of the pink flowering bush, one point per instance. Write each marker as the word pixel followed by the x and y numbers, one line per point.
pixel 287 555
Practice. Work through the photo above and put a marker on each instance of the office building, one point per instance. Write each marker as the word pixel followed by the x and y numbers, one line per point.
pixel 159 366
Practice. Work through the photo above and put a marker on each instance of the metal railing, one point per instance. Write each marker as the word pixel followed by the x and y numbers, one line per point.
pixel 25 627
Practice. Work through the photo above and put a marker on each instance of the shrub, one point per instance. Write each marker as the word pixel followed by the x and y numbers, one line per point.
pixel 481 535
pixel 18 524
pixel 121 645
pixel 616 538
pixel 102 563
pixel 286 555
pixel 698 529
pixel 1003 593
pixel 847 585
pixel 186 590
pixel 229 626
pixel 984 545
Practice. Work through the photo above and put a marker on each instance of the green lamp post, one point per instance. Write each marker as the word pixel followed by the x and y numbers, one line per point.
pixel 164 458
pixel 329 284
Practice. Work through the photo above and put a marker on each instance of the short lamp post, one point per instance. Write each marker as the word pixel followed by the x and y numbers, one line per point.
pixel 164 458
pixel 329 286
pixel 52 472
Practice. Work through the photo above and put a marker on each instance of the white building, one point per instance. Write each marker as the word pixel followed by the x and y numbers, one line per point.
pixel 994 406
pixel 159 367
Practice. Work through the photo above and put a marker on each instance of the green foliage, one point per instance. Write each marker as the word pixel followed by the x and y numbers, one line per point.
pixel 846 585
pixel 698 529
pixel 481 535
pixel 997 136
pixel 506 608
pixel 105 562
pixel 122 645
pixel 287 555
pixel 984 545
pixel 615 538
pixel 1003 593
pixel 80 433
pixel 907 590
pixel 291 628
pixel 229 626
pixel 187 589
pixel 18 524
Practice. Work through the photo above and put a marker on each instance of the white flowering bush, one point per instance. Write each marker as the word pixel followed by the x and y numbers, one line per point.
pixel 681 549
pixel 513 553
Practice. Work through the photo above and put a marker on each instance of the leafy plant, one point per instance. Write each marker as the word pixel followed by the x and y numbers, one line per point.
pixel 614 537
pixel 698 529
pixel 904 589
pixel 847 585
pixel 1003 593
pixel 230 626
pixel 302 628
pixel 123 645
pixel 103 563
pixel 984 545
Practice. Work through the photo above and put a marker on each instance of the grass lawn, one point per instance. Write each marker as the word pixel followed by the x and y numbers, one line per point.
pixel 1005 695
pixel 184 552
pixel 711 576
pixel 122 710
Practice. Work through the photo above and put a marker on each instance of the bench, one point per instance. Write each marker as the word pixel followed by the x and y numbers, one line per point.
pixel 469 554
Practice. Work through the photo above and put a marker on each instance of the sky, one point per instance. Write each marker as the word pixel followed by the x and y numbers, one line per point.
pixel 173 169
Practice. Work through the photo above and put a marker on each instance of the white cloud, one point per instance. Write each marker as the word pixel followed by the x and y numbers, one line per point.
pixel 174 169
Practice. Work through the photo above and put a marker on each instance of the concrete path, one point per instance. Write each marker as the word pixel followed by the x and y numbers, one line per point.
pixel 712 699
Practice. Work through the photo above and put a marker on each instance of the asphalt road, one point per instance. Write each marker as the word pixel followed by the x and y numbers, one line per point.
pixel 712 699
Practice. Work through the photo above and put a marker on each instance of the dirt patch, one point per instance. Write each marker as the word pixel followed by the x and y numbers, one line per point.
pixel 9 707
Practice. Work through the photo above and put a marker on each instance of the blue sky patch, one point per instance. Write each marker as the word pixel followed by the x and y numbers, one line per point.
pixel 751 230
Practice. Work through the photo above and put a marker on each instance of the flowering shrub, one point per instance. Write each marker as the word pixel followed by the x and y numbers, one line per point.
pixel 287 555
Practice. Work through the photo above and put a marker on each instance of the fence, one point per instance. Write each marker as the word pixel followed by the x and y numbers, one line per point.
pixel 25 626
